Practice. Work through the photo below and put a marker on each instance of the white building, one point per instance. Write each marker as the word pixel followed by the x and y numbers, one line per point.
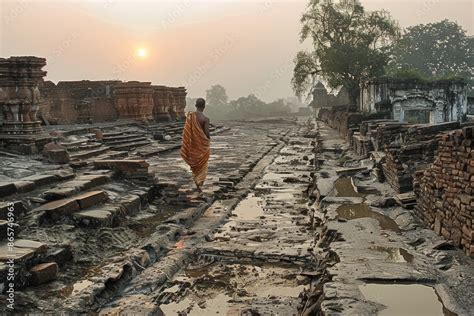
pixel 415 101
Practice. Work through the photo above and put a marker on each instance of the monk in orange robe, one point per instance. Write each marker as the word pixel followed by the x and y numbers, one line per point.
pixel 196 149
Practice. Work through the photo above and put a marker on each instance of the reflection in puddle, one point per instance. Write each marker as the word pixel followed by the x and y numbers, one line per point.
pixel 215 306
pixel 284 291
pixel 353 211
pixel 395 254
pixel 217 288
pixel 405 299
pixel 75 288
pixel 276 176
pixel 346 188
pixel 249 208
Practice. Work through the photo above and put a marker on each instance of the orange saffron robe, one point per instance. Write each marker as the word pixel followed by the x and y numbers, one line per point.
pixel 195 148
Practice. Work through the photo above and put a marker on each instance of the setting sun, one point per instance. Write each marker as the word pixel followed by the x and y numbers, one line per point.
pixel 141 52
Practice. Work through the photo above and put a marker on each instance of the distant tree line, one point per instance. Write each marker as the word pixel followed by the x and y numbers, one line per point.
pixel 218 106
pixel 352 45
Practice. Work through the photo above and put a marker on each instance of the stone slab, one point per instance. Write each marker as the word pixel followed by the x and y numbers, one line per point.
pixel 99 217
pixel 89 199
pixel 18 254
pixel 44 272
pixel 18 209
pixel 24 186
pixel 7 188
pixel 36 245
pixel 59 208
pixel 41 179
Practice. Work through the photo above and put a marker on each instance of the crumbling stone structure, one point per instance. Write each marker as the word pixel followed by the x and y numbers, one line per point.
pixel 71 102
pixel 134 100
pixel 445 190
pixel 415 101
pixel 323 99
pixel 345 119
pixel 19 103
pixel 179 95
pixel 440 155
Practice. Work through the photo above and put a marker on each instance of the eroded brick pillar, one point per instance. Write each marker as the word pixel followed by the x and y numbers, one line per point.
pixel 180 101
pixel 160 109
pixel 134 100
pixel 20 95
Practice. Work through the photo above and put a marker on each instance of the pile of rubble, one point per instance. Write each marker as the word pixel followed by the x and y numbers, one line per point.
pixel 445 189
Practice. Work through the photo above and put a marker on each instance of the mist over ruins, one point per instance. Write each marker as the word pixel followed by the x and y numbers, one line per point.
pixel 294 157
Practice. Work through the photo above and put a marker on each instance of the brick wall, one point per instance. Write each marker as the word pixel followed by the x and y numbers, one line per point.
pixel 445 190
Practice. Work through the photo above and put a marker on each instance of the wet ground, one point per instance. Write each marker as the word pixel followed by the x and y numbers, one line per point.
pixel 283 229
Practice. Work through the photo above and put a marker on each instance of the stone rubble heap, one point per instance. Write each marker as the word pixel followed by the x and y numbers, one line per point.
pixel 445 190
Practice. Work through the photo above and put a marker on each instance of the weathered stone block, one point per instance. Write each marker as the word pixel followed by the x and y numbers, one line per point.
pixel 17 208
pixel 89 199
pixel 44 272
pixel 7 188
pixel 24 186
pixel 41 179
pixel 57 209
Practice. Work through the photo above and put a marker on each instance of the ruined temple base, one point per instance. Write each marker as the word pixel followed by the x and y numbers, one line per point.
pixel 25 144
pixel 21 128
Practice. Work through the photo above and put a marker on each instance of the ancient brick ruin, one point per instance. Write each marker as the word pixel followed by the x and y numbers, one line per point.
pixel 72 102
pixel 20 101
pixel 445 189
pixel 442 156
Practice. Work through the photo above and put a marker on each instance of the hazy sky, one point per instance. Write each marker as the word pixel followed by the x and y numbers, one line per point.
pixel 247 46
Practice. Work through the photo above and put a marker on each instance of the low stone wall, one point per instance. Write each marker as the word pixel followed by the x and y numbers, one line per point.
pixel 445 190
pixel 345 120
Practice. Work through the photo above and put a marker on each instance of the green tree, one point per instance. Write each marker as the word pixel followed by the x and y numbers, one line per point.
pixel 350 45
pixel 216 96
pixel 435 49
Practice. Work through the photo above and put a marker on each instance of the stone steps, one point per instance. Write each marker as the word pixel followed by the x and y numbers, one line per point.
pixel 122 137
pixel 32 182
pixel 89 153
pixel 135 138
pixel 111 214
pixel 58 209
pixel 70 188
pixel 112 134
pixel 129 146
pixel 113 155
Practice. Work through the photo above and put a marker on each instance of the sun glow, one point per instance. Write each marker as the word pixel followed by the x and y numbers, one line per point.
pixel 141 53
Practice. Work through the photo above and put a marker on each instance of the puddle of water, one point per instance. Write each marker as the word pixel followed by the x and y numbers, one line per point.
pixel 218 305
pixel 249 208
pixel 405 299
pixel 287 291
pixel 74 288
pixel 345 188
pixel 395 254
pixel 353 211
pixel 214 286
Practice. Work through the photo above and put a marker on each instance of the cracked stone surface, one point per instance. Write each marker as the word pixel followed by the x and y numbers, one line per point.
pixel 292 222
